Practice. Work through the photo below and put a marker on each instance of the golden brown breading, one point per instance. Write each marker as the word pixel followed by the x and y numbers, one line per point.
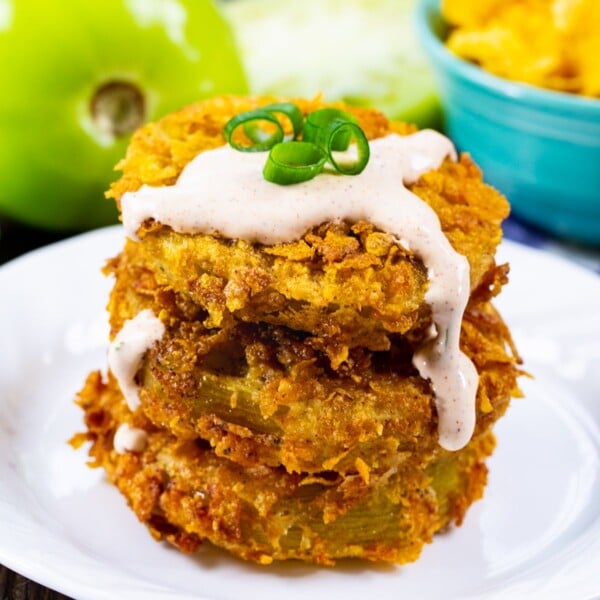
pixel 263 394
pixel 326 284
pixel 184 493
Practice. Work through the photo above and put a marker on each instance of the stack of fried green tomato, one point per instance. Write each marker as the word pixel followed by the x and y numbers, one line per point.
pixel 284 416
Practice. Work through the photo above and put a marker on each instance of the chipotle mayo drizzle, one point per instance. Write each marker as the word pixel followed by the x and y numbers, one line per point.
pixel 129 439
pixel 223 191
pixel 126 351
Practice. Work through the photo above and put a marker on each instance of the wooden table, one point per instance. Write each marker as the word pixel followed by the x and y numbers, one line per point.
pixel 14 241
pixel 16 587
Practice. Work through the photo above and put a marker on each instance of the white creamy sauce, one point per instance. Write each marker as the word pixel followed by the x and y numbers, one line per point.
pixel 129 439
pixel 128 348
pixel 223 191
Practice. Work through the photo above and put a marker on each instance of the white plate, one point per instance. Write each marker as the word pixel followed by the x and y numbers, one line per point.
pixel 536 534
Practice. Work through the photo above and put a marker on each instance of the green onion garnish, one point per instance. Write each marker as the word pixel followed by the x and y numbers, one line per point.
pixel 317 122
pixel 294 162
pixel 292 112
pixel 250 121
pixel 326 131
pixel 345 130
pixel 253 123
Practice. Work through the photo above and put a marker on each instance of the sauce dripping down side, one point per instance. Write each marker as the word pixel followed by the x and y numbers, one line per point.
pixel 129 439
pixel 223 191
pixel 126 351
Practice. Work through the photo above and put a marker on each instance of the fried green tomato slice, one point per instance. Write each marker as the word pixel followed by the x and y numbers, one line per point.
pixel 267 395
pixel 185 494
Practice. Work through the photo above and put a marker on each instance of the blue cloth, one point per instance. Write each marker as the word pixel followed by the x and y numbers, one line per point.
pixel 526 234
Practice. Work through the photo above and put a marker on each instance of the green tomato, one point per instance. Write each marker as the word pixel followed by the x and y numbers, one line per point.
pixel 76 78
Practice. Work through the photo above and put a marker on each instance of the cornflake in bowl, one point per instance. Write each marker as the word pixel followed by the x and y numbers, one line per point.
pixel 538 146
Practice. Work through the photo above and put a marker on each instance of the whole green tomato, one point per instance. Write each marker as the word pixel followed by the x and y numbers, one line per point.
pixel 76 78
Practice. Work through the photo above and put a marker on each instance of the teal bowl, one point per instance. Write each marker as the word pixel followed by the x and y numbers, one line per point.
pixel 540 148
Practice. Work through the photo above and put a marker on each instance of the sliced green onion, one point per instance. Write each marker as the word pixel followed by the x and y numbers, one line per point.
pixel 317 122
pixel 326 131
pixel 250 120
pixel 292 112
pixel 337 129
pixel 255 133
pixel 253 122
pixel 294 162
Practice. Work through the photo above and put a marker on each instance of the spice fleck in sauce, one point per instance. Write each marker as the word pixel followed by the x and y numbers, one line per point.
pixel 223 191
